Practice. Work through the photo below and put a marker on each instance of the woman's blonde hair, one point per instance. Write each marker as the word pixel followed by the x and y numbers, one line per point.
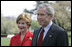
pixel 26 17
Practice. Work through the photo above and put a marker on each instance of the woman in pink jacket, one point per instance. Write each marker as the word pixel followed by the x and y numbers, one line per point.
pixel 24 37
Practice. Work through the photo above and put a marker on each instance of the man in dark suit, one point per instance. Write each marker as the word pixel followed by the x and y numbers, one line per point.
pixel 49 34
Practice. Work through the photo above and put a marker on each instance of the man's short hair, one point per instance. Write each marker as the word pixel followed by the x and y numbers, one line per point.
pixel 50 9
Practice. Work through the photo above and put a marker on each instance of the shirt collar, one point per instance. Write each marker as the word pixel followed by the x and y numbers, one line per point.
pixel 48 26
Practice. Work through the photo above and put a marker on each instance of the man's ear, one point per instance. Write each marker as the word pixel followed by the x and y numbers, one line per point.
pixel 50 16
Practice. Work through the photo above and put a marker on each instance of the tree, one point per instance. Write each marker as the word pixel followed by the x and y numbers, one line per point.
pixel 3 25
pixel 62 16
pixel 8 26
pixel 35 24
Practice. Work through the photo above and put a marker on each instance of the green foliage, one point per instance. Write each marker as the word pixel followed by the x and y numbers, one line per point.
pixel 62 16
pixel 35 24
pixel 3 35
pixel 8 26
pixel 69 33
pixel 3 25
pixel 69 37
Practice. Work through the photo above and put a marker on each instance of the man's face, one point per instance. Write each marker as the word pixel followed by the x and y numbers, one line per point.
pixel 42 17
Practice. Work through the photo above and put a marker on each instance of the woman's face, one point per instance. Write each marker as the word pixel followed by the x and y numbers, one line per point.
pixel 22 26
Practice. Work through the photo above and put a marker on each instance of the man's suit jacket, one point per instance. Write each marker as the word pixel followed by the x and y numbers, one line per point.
pixel 56 36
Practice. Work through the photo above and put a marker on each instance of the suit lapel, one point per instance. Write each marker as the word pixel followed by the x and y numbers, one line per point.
pixel 49 34
pixel 37 33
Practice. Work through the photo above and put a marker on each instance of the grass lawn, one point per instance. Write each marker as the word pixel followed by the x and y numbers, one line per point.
pixel 6 41
pixel 69 41
pixel 69 37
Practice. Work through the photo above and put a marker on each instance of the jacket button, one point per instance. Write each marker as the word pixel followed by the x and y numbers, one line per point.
pixel 50 35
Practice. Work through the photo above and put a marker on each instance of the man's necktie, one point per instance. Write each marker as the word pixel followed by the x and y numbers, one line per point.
pixel 39 42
